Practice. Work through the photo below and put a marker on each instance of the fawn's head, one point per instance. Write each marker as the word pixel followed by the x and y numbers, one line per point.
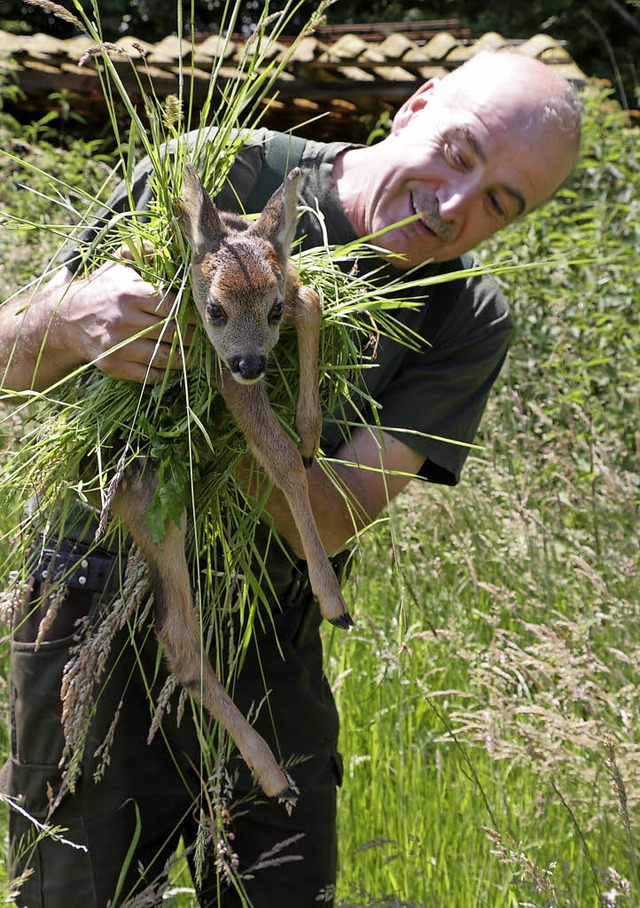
pixel 239 272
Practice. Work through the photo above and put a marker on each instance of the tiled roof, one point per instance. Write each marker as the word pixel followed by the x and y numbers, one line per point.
pixel 346 71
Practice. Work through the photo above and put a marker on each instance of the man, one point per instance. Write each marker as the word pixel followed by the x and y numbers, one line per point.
pixel 466 156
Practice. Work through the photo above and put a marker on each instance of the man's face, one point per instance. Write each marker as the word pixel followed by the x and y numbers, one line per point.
pixel 468 160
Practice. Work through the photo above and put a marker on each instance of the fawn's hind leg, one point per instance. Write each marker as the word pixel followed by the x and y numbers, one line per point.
pixel 177 628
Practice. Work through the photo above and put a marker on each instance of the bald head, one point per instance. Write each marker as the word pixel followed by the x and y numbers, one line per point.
pixel 531 96
pixel 466 156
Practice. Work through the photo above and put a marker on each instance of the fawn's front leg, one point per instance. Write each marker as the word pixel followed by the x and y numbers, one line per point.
pixel 307 314
pixel 177 628
pixel 276 452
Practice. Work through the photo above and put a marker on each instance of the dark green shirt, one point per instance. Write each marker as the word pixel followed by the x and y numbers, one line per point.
pixel 438 392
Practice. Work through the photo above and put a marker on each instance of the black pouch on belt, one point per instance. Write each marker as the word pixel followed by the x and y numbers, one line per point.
pixel 67 579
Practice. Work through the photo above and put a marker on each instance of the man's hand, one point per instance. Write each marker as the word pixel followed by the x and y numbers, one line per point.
pixel 113 318
pixel 117 319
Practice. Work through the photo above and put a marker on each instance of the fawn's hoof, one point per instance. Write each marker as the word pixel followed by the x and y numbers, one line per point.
pixel 344 622
pixel 289 797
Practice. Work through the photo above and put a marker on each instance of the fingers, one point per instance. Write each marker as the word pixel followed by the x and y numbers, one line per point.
pixel 159 306
pixel 134 372
pixel 145 252
pixel 141 360
pixel 137 303
pixel 127 326
pixel 152 299
pixel 163 329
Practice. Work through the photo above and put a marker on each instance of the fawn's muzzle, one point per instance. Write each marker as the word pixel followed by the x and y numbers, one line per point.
pixel 248 369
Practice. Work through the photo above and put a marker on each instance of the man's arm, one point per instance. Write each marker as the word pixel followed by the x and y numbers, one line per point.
pixel 70 321
pixel 360 493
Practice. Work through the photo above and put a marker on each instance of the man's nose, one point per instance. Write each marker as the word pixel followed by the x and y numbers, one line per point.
pixel 455 197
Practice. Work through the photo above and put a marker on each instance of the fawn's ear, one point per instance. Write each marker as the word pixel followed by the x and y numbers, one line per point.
pixel 198 216
pixel 277 223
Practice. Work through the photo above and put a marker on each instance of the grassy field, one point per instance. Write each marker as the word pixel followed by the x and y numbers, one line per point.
pixel 490 730
pixel 489 694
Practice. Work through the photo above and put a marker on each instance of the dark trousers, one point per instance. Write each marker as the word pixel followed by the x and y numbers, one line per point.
pixel 130 821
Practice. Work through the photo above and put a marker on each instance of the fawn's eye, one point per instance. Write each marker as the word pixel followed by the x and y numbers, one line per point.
pixel 216 314
pixel 276 313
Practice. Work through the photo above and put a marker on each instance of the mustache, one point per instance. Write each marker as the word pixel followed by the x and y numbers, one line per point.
pixel 429 211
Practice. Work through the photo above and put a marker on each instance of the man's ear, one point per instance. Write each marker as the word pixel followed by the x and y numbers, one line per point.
pixel 413 105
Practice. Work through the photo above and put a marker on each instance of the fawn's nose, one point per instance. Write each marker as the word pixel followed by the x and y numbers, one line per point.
pixel 248 368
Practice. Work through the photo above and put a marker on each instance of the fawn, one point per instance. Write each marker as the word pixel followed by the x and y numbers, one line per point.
pixel 245 287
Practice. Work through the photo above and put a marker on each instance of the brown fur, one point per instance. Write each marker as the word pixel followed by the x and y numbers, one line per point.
pixel 243 269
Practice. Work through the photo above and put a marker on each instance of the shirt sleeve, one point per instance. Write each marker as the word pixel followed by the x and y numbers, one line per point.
pixel 435 402
pixel 433 399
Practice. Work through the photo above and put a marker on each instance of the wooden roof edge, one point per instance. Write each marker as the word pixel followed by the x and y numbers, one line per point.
pixel 317 69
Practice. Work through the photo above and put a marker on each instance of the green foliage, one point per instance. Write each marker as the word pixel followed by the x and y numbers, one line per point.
pixel 44 171
pixel 575 365
pixel 28 196
pixel 484 736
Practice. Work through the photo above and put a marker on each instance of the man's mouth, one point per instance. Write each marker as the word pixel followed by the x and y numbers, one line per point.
pixel 424 219
pixel 430 220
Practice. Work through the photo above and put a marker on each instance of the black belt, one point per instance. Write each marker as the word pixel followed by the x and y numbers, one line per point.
pixel 85 574
pixel 75 565
pixel 93 571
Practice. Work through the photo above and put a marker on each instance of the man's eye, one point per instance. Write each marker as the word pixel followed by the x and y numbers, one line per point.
pixel 216 314
pixel 455 157
pixel 495 204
